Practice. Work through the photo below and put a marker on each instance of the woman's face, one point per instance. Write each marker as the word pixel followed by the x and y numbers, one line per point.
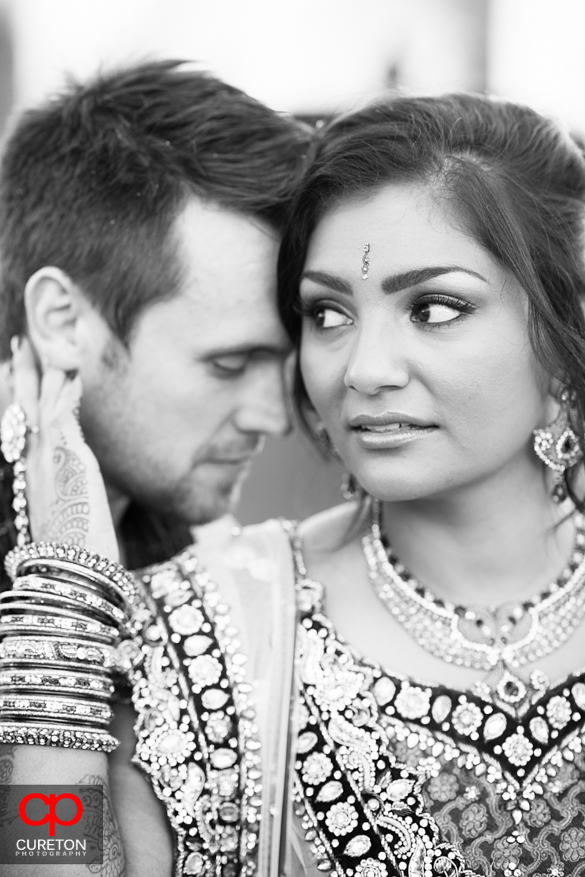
pixel 422 373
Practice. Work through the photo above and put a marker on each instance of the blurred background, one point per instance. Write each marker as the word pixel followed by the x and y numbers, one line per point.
pixel 311 57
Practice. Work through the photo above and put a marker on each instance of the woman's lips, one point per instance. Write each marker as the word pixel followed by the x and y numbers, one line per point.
pixel 380 433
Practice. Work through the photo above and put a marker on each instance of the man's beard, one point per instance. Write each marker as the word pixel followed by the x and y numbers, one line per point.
pixel 209 504
pixel 197 501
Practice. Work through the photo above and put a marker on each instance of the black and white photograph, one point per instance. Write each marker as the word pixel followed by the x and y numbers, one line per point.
pixel 292 438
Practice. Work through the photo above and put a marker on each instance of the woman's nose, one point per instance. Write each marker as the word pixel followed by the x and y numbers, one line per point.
pixel 377 360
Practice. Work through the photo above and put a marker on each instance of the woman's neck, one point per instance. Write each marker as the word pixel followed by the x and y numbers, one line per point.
pixel 483 545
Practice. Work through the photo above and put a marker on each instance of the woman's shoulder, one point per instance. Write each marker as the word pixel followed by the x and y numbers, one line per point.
pixel 329 525
pixel 328 536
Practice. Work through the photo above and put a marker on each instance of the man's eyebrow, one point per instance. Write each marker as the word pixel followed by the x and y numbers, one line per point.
pixel 394 283
pixel 249 350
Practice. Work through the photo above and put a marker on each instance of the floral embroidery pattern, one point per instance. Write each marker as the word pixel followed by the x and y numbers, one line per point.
pixel 443 787
pixel 558 711
pixel 317 768
pixel 573 845
pixel 518 749
pixel 413 702
pixel 371 868
pixel 508 785
pixel 506 855
pixel 467 718
pixel 342 818
pixel 200 768
pixel 504 787
pixel 473 820
pixel 539 814
pixel 378 816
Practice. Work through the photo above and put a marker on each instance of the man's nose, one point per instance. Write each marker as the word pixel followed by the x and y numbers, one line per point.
pixel 267 407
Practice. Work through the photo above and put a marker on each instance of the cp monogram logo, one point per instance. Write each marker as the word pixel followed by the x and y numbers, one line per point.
pixel 51 817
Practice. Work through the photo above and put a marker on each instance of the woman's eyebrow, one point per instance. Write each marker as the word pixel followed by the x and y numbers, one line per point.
pixel 393 283
pixel 397 282
pixel 330 280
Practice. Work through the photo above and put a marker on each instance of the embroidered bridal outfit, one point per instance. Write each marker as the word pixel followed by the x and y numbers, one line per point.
pixel 389 775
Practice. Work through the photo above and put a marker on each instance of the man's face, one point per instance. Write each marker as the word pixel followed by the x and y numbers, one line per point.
pixel 175 420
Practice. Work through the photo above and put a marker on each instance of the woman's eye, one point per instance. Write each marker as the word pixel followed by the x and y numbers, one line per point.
pixel 327 318
pixel 437 312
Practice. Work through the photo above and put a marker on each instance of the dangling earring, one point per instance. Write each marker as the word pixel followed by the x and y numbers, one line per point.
pixel 558 445
pixel 350 489
pixel 324 439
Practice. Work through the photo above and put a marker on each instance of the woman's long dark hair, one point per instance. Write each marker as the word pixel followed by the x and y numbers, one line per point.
pixel 515 179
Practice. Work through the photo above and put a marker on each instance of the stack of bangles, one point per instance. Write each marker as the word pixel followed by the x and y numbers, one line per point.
pixel 59 628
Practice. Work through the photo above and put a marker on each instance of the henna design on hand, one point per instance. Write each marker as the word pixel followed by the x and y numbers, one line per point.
pixel 114 861
pixel 7 753
pixel 68 518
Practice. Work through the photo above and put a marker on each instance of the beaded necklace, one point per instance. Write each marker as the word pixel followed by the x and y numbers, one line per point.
pixel 499 641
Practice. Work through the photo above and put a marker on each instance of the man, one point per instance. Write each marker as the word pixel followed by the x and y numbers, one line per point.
pixel 139 229
pixel 139 219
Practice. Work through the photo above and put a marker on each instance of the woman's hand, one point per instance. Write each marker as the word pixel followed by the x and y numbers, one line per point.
pixel 66 495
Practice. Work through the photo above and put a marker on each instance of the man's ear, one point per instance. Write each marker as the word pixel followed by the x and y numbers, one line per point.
pixel 54 305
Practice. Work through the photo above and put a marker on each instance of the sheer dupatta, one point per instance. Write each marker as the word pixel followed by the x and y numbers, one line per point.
pixel 254 571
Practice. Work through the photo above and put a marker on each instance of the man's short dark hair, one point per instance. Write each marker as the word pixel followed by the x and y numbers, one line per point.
pixel 92 181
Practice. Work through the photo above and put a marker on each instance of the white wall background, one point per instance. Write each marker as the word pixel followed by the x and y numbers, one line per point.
pixel 297 55
pixel 536 54
pixel 316 55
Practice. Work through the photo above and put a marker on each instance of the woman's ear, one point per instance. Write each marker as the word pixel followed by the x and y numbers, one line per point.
pixel 54 305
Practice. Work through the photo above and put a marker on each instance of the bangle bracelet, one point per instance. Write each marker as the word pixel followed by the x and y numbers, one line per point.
pixel 58 622
pixel 55 709
pixel 118 593
pixel 67 737
pixel 17 680
pixel 60 627
pixel 53 590
pixel 76 561
pixel 74 653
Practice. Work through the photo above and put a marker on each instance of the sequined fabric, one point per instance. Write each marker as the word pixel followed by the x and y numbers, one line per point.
pixel 195 733
pixel 210 670
pixel 508 794
pixel 360 807
pixel 441 782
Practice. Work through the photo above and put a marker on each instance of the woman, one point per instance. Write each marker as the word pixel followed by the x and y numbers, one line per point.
pixel 432 279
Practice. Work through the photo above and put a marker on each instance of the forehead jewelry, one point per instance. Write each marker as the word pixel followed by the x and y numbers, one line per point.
pixel 365 262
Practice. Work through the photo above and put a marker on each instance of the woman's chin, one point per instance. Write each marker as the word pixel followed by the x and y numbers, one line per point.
pixel 396 491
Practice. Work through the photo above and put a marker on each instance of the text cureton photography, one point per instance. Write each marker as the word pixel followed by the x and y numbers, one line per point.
pixel 56 823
